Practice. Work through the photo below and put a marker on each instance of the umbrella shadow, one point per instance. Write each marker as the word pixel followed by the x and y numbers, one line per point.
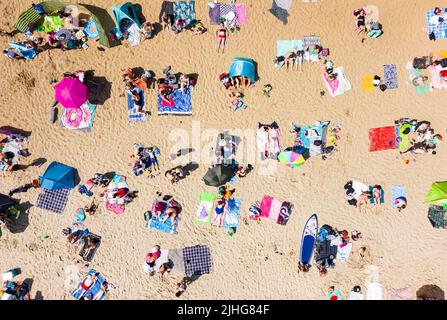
pixel 21 224
pixel 100 88
pixel 14 130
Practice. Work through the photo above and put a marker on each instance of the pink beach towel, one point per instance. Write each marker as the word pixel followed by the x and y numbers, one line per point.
pixel 266 204
pixel 275 209
pixel 115 208
pixel 217 220
pixel 241 14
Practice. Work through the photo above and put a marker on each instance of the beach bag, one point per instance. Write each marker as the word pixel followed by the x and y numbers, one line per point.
pixel 383 87
pixel 432 36
pixel 325 52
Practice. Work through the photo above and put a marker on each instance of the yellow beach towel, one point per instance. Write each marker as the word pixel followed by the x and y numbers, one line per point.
pixel 367 84
pixel 441 54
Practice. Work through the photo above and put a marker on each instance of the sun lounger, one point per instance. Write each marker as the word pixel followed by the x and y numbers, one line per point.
pixel 135 116
pixel 89 256
pixel 397 192
pixel 390 76
pixel 181 103
pixel 383 138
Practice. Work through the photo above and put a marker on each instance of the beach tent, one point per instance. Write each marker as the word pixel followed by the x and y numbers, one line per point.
pixel 31 16
pixel 125 11
pixel 6 202
pixel 218 175
pixel 58 176
pixel 243 67
pixel 437 193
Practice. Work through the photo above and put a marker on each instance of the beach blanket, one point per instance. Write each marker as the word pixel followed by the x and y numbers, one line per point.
pixel 214 12
pixel 437 216
pixel 229 151
pixel 436 81
pixel 280 9
pixel 206 207
pixel 324 250
pixel 344 252
pixel 166 227
pixel 383 138
pixel 275 209
pixel 79 118
pixel 397 192
pixel 166 7
pixel 390 76
pixel 133 35
pixel 367 83
pixel 241 13
pixel 338 86
pixel 135 116
pixel 53 200
pixel 181 103
pixel 227 11
pixel 185 10
pixel 382 195
pixel 115 207
pixel 197 260
pixel 269 141
pixel 83 253
pixel 232 213
pixel 284 46
pixel 359 188
pixel 434 25
pixel 94 290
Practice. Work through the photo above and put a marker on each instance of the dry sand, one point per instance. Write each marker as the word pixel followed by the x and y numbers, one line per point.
pixel 411 250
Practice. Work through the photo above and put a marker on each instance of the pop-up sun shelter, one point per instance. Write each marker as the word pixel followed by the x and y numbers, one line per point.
pixel 125 11
pixel 437 194
pixel 30 17
pixel 58 176
pixel 243 67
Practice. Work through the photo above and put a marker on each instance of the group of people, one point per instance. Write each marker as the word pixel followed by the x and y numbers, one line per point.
pixel 145 160
pixel 363 198
pixel 295 58
pixel 167 208
pixel 372 29
pixel 135 87
pixel 89 282
pixel 179 25
pixel 13 148
pixel 171 82
pixel 422 139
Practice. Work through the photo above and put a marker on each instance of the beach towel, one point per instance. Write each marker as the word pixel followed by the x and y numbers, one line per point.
pixel 414 73
pixel 275 209
pixel 310 41
pixel 437 216
pixel 182 103
pixel 269 141
pixel 390 76
pixel 397 192
pixel 383 138
pixel 53 200
pixel 382 195
pixel 133 35
pixel 206 206
pixel 185 10
pixel 166 7
pixel 197 260
pixel 374 291
pixel 229 151
pixel 279 10
pixel 436 81
pixel 52 23
pixel 115 207
pixel 165 227
pixel 94 290
pixel 284 46
pixel 367 83
pixel 344 252
pixel 135 116
pixel 433 25
pixel 79 118
pixel 91 254
pixel 241 14
pixel 324 251
pixel 404 139
pixel 26 52
pixel 232 213
pixel 338 86
pixel 227 11
pixel 214 12
pixel 359 188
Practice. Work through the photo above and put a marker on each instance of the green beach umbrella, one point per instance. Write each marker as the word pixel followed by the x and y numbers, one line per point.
pixel 437 193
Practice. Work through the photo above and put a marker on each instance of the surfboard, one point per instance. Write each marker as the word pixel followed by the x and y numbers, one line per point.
pixel 308 239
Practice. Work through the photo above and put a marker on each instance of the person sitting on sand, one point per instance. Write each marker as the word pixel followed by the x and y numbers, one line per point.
pixel 166 21
pixel 360 14
pixel 377 194
pixel 147 30
pixel 184 82
pixel 221 35
pixel 171 212
pixel 181 288
pixel 363 200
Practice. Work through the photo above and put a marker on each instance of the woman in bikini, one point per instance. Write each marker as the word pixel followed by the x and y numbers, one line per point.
pixel 164 91
pixel 290 58
pixel 221 35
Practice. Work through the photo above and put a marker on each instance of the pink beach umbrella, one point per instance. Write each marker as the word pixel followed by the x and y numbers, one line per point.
pixel 71 93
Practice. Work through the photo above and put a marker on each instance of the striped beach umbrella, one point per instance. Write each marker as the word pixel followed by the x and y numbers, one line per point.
pixel 291 159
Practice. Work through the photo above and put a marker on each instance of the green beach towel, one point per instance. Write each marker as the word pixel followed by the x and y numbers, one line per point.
pixel 404 143
pixel 420 90
pixel 52 23
pixel 204 212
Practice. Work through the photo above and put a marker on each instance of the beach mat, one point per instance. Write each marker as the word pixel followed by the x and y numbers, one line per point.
pixel 404 139
pixel 390 76
pixel 232 213
pixel 383 138
pixel 53 200
pixel 206 206
pixel 241 13
pixel 439 29
pixel 182 103
pixel 77 292
pixel 280 13
pixel 228 10
pixel 185 10
pixel 367 84
pixel 397 192
pixel 437 216
pixel 166 227
pixel 344 253
pixel 91 254
pixel 197 260
pixel 135 116
pixel 79 118
pixel 275 209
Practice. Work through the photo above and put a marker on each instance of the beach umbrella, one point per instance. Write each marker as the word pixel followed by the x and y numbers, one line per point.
pixel 71 93
pixel 291 159
pixel 218 175
pixel 437 194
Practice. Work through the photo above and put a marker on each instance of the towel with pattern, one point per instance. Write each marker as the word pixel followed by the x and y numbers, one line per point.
pixel 228 12
pixel 197 260
pixel 435 25
pixel 185 10
pixel 390 75
pixel 53 200
pixel 214 12
pixel 79 118
pixel 181 103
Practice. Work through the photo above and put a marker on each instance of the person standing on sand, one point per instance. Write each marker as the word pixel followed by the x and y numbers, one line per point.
pixel 221 34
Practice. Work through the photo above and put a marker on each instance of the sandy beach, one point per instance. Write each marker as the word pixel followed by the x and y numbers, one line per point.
pixel 402 247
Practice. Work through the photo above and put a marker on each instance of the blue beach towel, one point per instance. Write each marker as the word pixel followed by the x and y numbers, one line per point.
pixel 26 52
pixel 284 46
pixel 166 227
pixel 93 290
pixel 439 28
pixel 232 213
pixel 390 75
pixel 182 103
pixel 135 116
pixel 397 192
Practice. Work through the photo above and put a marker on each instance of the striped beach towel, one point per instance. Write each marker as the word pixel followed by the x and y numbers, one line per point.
pixel 135 116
